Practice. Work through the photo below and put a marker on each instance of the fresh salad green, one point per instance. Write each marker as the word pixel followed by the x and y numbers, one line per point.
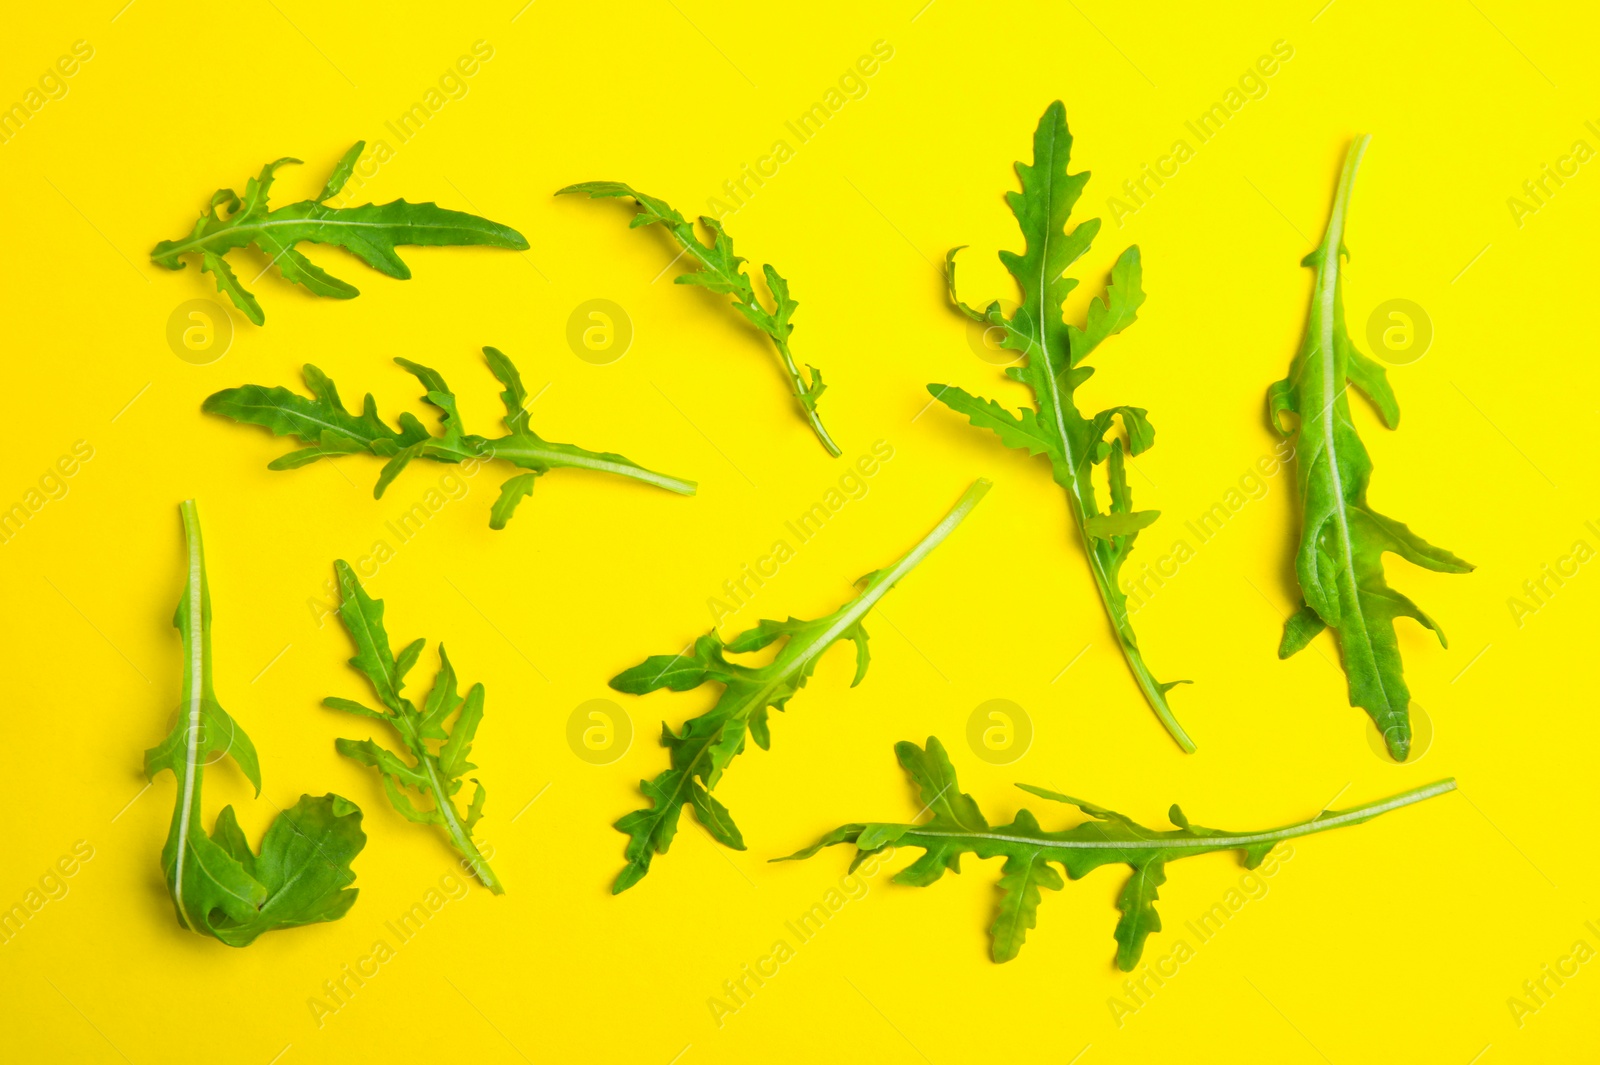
pixel 957 827
pixel 323 422
pixel 716 267
pixel 446 718
pixel 370 232
pixel 1052 354
pixel 1342 539
pixel 702 750
pixel 219 886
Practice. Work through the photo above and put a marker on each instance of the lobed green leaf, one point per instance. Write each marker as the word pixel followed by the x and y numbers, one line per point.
pixel 957 827
pixel 323 422
pixel 218 885
pixel 1339 562
pixel 371 232
pixel 704 747
pixel 1051 350
pixel 715 267
pixel 433 774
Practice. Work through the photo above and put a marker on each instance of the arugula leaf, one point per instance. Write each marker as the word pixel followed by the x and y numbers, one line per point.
pixel 432 773
pixel 708 743
pixel 957 827
pixel 323 422
pixel 1054 352
pixel 370 232
pixel 1342 540
pixel 717 268
pixel 218 885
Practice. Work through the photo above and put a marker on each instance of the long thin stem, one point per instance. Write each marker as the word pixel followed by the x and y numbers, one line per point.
pixel 499 449
pixel 1130 650
pixel 797 385
pixel 194 647
pixel 1222 840
pixel 458 834
pixel 429 763
pixel 1079 492
pixel 797 653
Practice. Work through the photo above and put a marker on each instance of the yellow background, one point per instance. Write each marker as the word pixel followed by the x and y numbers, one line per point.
pixel 1400 940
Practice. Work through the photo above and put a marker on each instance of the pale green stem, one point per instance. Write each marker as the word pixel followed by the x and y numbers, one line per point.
pixel 1222 840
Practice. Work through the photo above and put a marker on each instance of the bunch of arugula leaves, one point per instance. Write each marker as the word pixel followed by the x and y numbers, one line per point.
pixel 370 232
pixel 717 268
pixel 219 886
pixel 957 827
pixel 323 422
pixel 1342 539
pixel 707 743
pixel 1053 352
pixel 435 774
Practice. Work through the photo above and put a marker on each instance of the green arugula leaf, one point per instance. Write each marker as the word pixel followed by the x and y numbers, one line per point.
pixel 1053 352
pixel 219 887
pixel 431 774
pixel 323 422
pixel 702 750
pixel 717 268
pixel 1342 540
pixel 1109 838
pixel 370 232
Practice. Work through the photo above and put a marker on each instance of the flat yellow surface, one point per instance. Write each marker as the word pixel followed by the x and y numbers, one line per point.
pixel 1404 940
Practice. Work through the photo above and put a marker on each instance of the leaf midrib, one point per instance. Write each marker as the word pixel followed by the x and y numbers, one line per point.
pixel 1326 299
pixel 301 415
pixel 1225 841
pixel 786 665
pixel 203 243
pixel 195 646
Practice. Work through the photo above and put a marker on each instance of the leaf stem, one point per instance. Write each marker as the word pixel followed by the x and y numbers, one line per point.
pixel 458 834
pixel 1222 840
pixel 797 653
pixel 563 458
pixel 797 385
pixel 1333 236
pixel 1118 612
pixel 195 638
pixel 1080 490
pixel 405 722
